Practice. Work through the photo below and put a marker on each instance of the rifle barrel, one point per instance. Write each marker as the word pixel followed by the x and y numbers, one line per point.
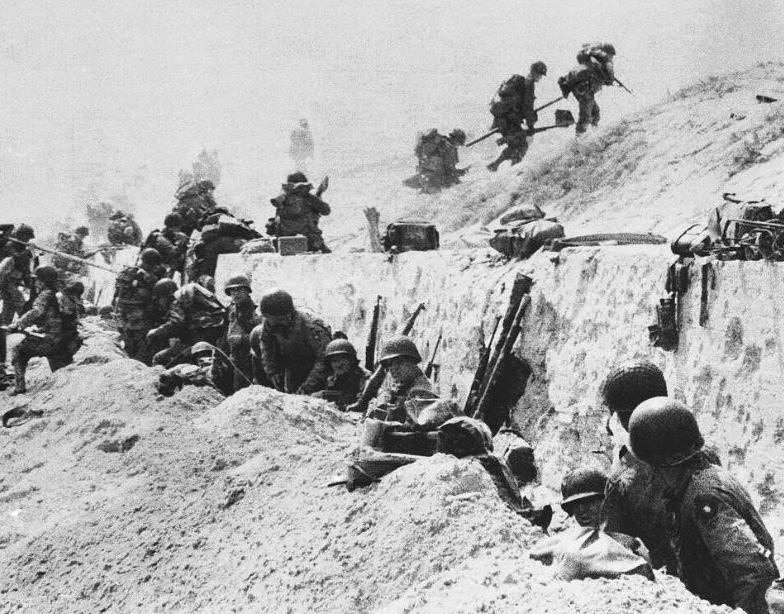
pixel 61 254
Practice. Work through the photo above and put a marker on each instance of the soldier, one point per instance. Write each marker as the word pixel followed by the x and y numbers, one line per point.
pixel 71 310
pixel 437 159
pixel 194 202
pixel 290 345
pixel 45 314
pixel 633 504
pixel 405 384
pixel 14 274
pixel 171 243
pixel 242 319
pixel 197 372
pixel 123 230
pixel 723 551
pixel 134 303
pixel 511 106
pixel 73 245
pixel 195 314
pixel 595 69
pixel 301 147
pixel 298 212
pixel 345 377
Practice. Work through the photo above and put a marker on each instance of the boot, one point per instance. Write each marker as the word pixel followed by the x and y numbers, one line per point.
pixel 20 369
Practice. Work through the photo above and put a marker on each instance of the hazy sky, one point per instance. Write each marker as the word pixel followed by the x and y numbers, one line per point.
pixel 120 96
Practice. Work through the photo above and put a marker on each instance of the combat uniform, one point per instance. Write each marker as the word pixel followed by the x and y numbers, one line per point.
pixel 511 106
pixel 194 203
pixel 301 145
pixel 633 505
pixel 595 69
pixel 298 212
pixel 172 245
pixel 195 315
pixel 45 314
pixel 437 162
pixel 71 309
pixel 295 363
pixel 123 230
pixel 723 551
pixel 242 320
pixel 135 310
pixel 344 389
pixel 392 401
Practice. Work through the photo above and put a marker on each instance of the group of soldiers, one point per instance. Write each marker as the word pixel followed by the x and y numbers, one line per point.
pixel 48 319
pixel 515 116
pixel 667 489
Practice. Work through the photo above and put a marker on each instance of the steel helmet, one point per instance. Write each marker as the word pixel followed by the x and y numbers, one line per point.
pixel 464 436
pixel 74 288
pixel 151 257
pixel 164 287
pixel 297 177
pixel 276 303
pixel 582 483
pixel 82 231
pixel 399 346
pixel 23 232
pixel 458 136
pixel 629 384
pixel 206 184
pixel 201 347
pixel 238 280
pixel 173 220
pixel 539 68
pixel 338 347
pixel 663 432
pixel 46 274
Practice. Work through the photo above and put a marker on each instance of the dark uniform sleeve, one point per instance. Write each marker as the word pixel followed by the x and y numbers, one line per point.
pixel 36 313
pixel 175 322
pixel 317 378
pixel 744 562
pixel 528 98
pixel 615 512
pixel 319 206
pixel 269 355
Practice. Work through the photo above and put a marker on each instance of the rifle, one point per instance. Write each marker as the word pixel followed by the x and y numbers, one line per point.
pixel 430 363
pixel 510 330
pixel 479 375
pixel 618 81
pixel 61 254
pixel 27 332
pixel 492 132
pixel 370 348
pixel 375 381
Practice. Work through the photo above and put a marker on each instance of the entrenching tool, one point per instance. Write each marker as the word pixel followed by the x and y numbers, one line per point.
pixel 536 110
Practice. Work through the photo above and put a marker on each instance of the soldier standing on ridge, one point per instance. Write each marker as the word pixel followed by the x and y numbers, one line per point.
pixel 123 230
pixel 511 106
pixel 301 145
pixel 73 245
pixel 297 212
pixel 290 344
pixel 723 551
pixel 595 69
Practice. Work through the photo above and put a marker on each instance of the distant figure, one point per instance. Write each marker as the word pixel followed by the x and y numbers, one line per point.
pixel 511 106
pixel 195 201
pixel 123 230
pixel 301 147
pixel 594 69
pixel 437 159
pixel 297 212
